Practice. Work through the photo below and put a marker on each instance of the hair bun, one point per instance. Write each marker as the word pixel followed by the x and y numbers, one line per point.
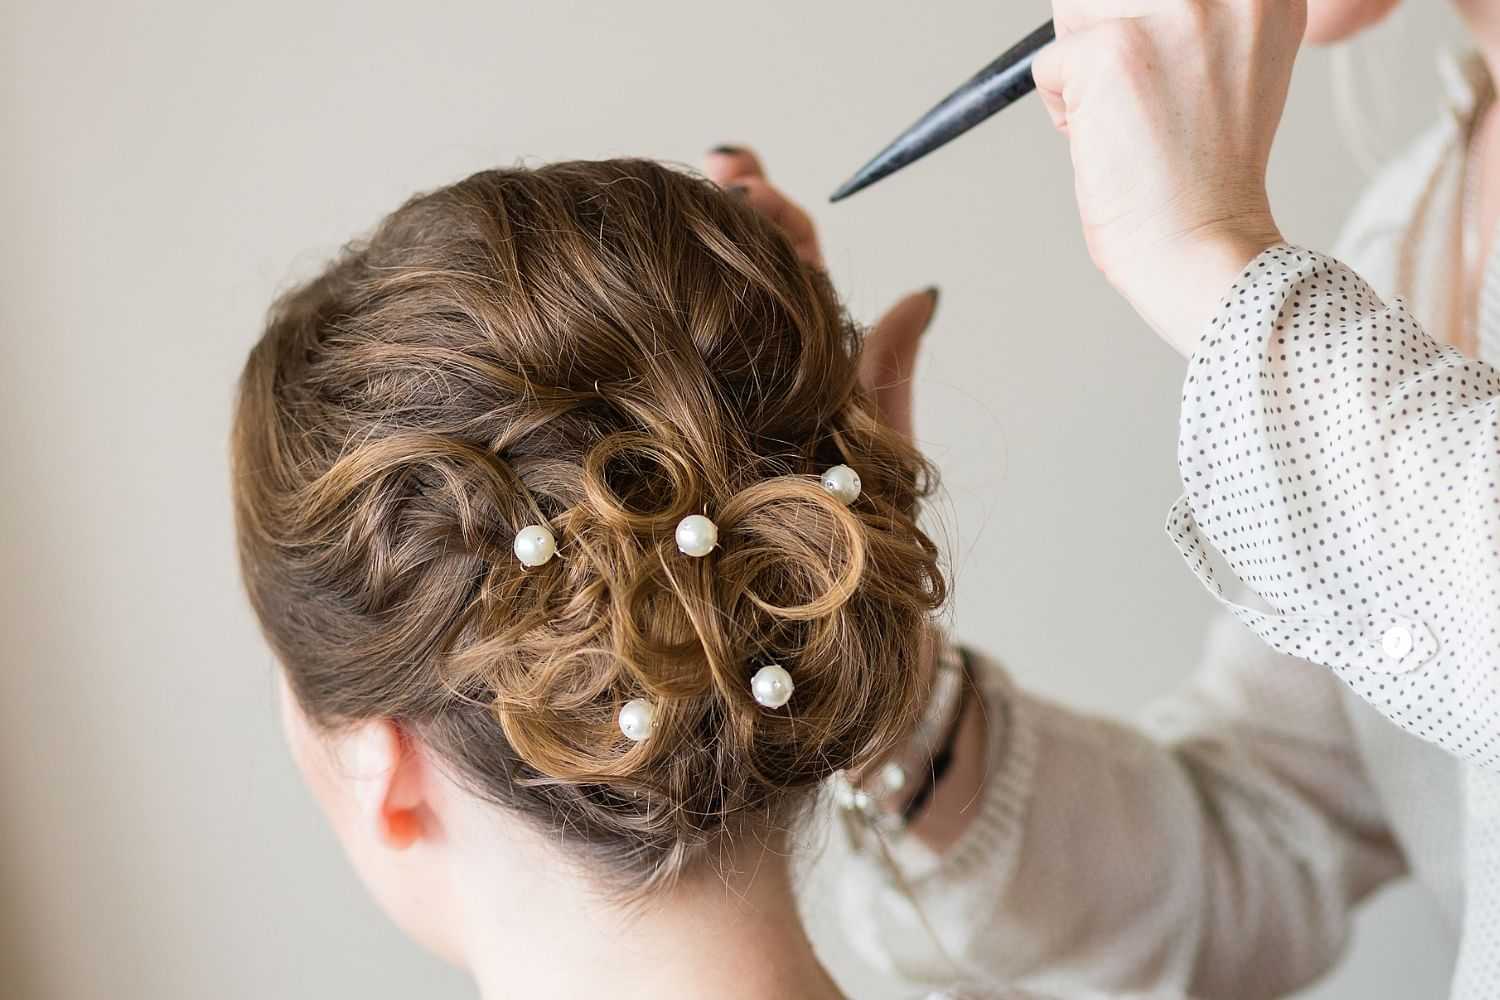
pixel 603 349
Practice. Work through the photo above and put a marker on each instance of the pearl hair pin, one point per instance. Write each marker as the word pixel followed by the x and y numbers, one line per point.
pixel 696 536
pixel 843 482
pixel 534 545
pixel 637 719
pixel 772 686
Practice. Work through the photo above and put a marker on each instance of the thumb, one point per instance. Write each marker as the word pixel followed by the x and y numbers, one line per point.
pixel 890 356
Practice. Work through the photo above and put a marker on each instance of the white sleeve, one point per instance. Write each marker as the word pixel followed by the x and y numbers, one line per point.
pixel 1219 849
pixel 1346 467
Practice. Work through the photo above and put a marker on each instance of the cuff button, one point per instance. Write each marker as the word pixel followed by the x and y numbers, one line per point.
pixel 1397 642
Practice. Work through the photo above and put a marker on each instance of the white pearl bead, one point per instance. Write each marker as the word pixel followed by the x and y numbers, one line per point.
pixel 696 535
pixel 843 482
pixel 843 790
pixel 636 719
pixel 534 545
pixel 772 686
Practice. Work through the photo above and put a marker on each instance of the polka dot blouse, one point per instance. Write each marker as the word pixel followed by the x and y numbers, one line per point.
pixel 1346 467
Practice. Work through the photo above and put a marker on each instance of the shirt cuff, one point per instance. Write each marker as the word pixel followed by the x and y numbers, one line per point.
pixel 991 842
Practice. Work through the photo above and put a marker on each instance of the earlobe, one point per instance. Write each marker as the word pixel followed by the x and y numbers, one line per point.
pixel 401 828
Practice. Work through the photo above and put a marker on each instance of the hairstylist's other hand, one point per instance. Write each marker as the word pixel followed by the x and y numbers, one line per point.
pixel 1170 108
pixel 890 350
pixel 737 170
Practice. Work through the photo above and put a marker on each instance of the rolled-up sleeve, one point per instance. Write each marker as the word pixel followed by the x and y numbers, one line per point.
pixel 1345 467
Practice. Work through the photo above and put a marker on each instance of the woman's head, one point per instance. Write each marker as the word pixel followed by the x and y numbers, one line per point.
pixel 602 348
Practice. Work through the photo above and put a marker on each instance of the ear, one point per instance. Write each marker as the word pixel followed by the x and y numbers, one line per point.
pixel 389 775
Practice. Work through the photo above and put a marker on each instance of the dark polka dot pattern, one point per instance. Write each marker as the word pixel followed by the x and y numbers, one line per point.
pixel 1346 467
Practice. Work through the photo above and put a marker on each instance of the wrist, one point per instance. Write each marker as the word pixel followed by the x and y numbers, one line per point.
pixel 951 804
pixel 894 792
pixel 1176 291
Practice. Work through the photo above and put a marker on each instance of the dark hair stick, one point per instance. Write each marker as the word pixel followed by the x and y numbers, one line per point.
pixel 998 85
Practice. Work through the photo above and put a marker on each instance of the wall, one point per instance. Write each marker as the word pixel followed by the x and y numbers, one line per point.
pixel 169 166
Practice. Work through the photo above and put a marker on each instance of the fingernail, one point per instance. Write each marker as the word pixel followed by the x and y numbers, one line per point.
pixel 738 190
pixel 933 293
pixel 725 150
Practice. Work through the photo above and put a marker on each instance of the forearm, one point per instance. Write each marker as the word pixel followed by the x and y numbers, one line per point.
pixel 1177 290
pixel 1032 883
pixel 1081 851
pixel 1343 463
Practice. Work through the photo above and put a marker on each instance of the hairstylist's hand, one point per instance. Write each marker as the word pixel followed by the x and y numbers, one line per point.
pixel 890 351
pixel 1170 108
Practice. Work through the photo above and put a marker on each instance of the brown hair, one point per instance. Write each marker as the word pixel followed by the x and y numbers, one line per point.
pixel 601 347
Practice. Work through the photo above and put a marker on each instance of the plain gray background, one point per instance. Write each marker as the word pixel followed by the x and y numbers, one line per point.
pixel 169 166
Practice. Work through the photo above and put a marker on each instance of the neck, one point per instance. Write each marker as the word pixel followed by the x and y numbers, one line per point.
pixel 565 940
